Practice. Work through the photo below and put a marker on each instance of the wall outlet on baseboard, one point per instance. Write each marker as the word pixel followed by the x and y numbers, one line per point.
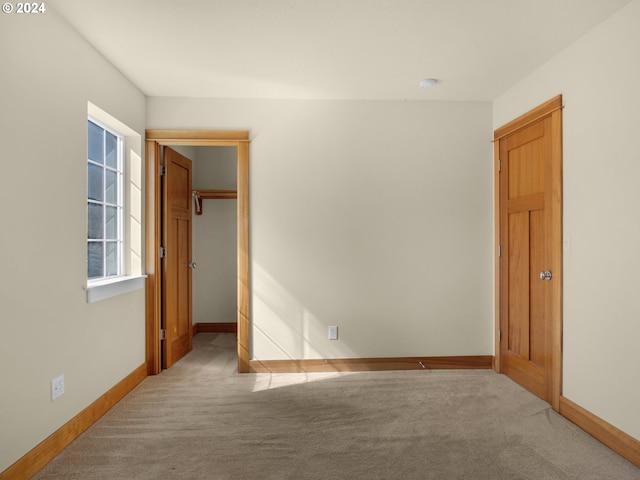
pixel 57 387
pixel 333 332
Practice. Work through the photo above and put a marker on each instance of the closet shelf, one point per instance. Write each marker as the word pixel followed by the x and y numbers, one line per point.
pixel 199 195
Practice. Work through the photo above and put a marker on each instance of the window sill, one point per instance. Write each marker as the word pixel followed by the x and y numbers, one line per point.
pixel 104 289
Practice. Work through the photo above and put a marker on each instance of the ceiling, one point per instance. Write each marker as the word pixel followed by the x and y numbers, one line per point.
pixel 338 49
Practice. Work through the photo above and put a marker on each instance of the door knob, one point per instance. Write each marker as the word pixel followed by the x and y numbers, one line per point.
pixel 192 265
pixel 545 275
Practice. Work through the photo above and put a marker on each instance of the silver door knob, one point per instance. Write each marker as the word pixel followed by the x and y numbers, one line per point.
pixel 545 275
pixel 192 265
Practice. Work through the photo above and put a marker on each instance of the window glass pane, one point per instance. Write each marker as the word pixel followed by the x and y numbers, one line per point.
pixel 111 187
pixel 111 223
pixel 112 258
pixel 111 150
pixel 96 143
pixel 95 182
pixel 95 223
pixel 95 256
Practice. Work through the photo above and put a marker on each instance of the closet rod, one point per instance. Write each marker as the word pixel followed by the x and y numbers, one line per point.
pixel 199 195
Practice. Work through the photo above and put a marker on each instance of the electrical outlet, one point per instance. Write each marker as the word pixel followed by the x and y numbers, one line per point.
pixel 333 332
pixel 57 387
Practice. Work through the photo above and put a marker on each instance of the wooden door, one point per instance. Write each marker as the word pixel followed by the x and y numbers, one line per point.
pixel 529 154
pixel 176 273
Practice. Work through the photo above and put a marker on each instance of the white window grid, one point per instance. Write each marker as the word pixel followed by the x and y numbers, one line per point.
pixel 119 205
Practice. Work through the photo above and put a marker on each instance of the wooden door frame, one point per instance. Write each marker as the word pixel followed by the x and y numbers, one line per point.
pixel 553 109
pixel 155 140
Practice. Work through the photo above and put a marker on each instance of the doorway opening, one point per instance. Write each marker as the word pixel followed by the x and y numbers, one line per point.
pixel 156 140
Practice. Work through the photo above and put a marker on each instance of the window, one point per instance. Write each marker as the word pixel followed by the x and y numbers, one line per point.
pixel 105 202
pixel 114 207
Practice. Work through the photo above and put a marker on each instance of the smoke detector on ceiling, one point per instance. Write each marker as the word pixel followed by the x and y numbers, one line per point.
pixel 428 83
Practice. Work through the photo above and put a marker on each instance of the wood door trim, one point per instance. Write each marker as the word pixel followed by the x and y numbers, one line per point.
pixel 553 109
pixel 169 136
pixel 528 118
pixel 153 296
pixel 155 139
pixel 243 257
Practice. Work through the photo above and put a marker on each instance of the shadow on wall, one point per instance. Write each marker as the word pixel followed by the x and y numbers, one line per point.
pixel 283 326
pixel 135 221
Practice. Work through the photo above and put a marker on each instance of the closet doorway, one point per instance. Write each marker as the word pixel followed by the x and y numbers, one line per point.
pixel 156 140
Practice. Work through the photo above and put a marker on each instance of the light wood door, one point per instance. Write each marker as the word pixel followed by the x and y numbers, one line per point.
pixel 176 277
pixel 530 244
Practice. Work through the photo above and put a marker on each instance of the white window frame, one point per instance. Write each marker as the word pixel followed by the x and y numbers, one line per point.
pixel 119 205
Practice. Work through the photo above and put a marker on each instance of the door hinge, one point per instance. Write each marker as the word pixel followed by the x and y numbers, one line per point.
pixel 163 252
pixel 499 250
pixel 163 334
pixel 499 165
pixel 163 169
pixel 499 336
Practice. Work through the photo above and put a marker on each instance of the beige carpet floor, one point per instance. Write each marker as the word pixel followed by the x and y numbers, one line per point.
pixel 201 420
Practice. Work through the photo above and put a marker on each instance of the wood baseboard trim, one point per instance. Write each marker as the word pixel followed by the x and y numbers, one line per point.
pixel 615 439
pixel 371 364
pixel 229 327
pixel 33 461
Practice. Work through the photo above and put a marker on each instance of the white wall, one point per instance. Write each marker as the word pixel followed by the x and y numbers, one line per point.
pixel 215 238
pixel 47 76
pixel 187 151
pixel 598 77
pixel 372 216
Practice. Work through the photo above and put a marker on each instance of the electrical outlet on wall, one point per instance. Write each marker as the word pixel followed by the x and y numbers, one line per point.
pixel 333 332
pixel 57 387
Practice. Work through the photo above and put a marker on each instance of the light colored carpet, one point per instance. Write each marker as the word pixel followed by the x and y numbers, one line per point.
pixel 201 420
